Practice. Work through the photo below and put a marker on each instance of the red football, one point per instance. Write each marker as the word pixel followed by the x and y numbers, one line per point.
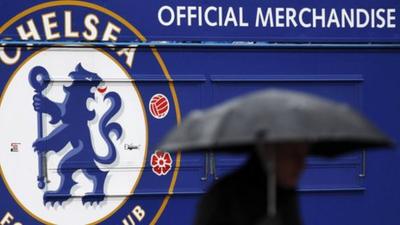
pixel 159 106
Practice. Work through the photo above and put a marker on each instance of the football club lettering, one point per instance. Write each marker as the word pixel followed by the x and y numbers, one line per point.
pixel 8 218
pixel 29 30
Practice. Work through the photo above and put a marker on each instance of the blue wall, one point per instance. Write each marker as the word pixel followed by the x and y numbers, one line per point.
pixel 360 188
pixel 332 191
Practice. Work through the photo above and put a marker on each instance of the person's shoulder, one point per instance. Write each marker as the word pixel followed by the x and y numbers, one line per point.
pixel 235 181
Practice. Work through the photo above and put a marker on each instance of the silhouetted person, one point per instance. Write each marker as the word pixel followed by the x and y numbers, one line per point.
pixel 241 199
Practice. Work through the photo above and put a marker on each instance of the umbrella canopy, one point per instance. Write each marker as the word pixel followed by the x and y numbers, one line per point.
pixel 276 116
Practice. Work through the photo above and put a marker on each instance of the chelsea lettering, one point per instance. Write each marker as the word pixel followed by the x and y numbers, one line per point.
pixel 61 26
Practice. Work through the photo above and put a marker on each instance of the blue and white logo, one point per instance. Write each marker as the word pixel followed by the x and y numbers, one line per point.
pixel 77 110
pixel 73 116
pixel 79 138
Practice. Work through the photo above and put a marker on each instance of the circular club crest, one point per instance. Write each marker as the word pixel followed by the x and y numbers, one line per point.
pixel 78 136
pixel 69 181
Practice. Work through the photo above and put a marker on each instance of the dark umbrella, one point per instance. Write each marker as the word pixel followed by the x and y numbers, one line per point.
pixel 273 117
pixel 276 116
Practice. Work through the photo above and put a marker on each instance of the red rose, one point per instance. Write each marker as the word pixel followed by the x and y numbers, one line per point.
pixel 161 162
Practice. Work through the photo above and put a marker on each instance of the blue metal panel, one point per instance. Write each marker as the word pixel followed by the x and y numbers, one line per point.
pixel 332 191
pixel 346 88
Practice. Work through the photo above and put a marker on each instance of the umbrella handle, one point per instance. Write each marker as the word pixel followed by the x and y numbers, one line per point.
pixel 270 169
pixel 213 163
pixel 271 186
